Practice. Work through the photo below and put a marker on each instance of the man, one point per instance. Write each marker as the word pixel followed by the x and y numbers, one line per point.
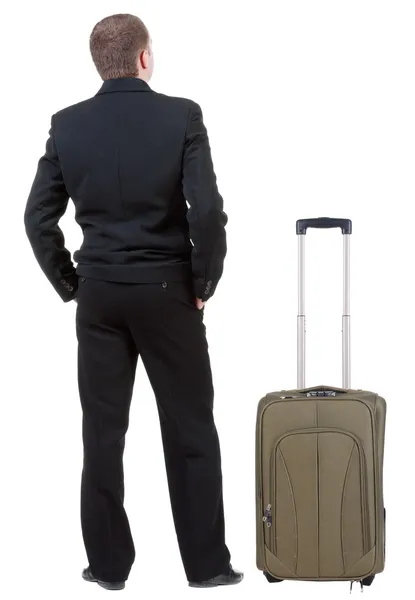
pixel 131 159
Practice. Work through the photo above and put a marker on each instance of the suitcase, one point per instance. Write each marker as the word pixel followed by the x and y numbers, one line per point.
pixel 319 465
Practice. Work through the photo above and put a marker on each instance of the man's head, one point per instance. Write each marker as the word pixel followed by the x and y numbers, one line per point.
pixel 121 47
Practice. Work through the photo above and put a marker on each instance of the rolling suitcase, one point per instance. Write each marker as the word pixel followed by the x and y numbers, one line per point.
pixel 319 465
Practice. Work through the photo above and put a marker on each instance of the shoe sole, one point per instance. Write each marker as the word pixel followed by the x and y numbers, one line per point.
pixel 105 585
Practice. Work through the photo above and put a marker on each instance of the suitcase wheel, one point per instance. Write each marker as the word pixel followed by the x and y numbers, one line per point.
pixel 271 579
pixel 368 580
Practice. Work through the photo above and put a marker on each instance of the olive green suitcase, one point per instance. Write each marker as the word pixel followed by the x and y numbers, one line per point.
pixel 319 465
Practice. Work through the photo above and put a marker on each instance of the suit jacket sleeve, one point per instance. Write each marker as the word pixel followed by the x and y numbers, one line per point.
pixel 47 202
pixel 205 215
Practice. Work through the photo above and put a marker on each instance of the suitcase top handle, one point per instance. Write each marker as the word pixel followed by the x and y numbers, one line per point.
pixel 324 223
pixel 322 391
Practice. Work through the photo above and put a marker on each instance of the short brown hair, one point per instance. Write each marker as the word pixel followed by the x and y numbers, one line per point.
pixel 115 45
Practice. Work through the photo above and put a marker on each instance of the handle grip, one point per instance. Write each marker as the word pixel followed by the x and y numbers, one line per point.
pixel 324 223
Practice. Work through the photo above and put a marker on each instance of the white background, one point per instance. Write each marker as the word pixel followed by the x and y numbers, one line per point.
pixel 310 111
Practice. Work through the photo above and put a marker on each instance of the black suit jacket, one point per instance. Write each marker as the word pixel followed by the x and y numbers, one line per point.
pixel 138 168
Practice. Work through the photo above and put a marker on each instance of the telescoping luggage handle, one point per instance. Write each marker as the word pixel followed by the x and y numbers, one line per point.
pixel 346 227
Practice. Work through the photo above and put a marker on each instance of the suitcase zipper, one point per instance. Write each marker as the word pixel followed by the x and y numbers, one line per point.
pixel 365 511
pixel 272 482
pixel 267 519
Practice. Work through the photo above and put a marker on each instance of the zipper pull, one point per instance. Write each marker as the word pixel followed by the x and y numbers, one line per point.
pixel 267 518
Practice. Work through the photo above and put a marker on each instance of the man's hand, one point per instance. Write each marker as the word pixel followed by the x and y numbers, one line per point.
pixel 200 304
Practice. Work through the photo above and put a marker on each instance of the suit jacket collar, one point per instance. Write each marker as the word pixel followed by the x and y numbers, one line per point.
pixel 124 84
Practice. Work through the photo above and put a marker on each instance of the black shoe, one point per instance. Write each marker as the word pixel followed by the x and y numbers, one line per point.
pixel 108 585
pixel 230 577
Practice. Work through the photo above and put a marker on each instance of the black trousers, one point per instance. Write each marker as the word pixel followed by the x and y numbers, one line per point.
pixel 116 323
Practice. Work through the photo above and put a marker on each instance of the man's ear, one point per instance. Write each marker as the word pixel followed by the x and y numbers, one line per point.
pixel 143 59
